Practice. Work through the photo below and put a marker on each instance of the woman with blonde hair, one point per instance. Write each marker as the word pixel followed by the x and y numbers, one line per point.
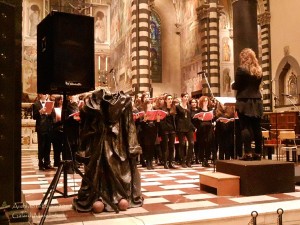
pixel 249 105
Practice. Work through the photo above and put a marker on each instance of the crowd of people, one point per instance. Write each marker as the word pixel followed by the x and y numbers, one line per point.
pixel 176 139
pixel 186 130
pixel 63 134
pixel 184 136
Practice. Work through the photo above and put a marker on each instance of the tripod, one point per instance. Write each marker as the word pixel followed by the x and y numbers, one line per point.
pixel 64 165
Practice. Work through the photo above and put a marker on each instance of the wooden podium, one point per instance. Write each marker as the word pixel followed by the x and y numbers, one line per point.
pixel 260 177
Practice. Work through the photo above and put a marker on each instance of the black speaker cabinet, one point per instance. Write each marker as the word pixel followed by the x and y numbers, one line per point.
pixel 65 54
pixel 10 102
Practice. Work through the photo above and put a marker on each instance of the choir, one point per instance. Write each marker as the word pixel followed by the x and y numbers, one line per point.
pixel 179 131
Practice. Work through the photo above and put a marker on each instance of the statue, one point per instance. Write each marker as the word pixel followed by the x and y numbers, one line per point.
pixel 108 139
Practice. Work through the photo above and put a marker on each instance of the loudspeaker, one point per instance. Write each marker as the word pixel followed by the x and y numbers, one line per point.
pixel 65 54
pixel 10 102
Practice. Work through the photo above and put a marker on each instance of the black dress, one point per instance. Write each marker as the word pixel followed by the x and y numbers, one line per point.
pixel 249 107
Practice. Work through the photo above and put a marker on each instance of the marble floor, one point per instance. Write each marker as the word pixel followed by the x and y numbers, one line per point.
pixel 171 197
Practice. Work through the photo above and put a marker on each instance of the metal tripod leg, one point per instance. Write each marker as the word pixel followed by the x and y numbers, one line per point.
pixel 52 188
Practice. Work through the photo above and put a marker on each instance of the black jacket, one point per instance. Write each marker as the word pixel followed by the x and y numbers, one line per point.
pixel 246 85
pixel 43 122
pixel 183 119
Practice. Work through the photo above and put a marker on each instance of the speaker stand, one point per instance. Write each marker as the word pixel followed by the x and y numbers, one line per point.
pixel 63 167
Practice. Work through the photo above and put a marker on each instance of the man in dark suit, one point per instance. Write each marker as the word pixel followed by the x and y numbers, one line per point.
pixel 44 122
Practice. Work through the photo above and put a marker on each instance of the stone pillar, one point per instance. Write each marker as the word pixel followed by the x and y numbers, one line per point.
pixel 245 34
pixel 10 100
pixel 140 46
pixel 208 15
pixel 264 22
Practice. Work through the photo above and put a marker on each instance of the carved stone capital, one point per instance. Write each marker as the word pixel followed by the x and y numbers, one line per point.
pixel 203 11
pixel 264 18
pixel 220 10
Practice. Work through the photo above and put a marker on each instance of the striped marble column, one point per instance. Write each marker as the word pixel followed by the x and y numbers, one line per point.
pixel 140 46
pixel 264 22
pixel 209 28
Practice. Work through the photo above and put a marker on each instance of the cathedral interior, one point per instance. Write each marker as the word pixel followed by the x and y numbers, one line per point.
pixel 165 46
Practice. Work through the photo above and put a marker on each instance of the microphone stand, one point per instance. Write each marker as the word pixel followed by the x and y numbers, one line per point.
pixel 276 126
pixel 208 85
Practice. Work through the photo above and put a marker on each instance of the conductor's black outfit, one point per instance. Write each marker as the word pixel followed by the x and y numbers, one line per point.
pixel 249 107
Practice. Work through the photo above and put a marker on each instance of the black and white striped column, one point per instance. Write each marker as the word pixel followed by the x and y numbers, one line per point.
pixel 140 46
pixel 264 22
pixel 209 27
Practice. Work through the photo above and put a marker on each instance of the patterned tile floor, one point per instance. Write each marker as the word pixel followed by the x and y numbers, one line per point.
pixel 170 196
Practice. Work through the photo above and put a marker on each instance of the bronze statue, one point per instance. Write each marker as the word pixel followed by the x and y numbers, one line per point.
pixel 108 138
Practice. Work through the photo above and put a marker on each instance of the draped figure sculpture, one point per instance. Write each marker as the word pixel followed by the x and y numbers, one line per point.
pixel 109 140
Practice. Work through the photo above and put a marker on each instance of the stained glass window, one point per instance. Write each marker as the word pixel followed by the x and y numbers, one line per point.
pixel 155 49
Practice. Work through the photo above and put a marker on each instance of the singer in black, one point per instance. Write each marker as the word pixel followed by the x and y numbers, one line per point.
pixel 249 106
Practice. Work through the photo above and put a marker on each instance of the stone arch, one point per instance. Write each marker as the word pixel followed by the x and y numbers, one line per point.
pixel 287 64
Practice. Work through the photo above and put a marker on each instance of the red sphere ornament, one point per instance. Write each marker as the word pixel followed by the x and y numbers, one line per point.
pixel 123 204
pixel 98 207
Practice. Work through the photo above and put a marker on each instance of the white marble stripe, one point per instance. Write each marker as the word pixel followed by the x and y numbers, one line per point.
pixel 259 198
pixel 172 175
pixel 294 194
pixel 188 181
pixel 34 191
pixel 193 176
pixel 190 205
pixel 200 196
pixel 155 200
pixel 34 182
pixel 148 172
pixel 32 176
pixel 178 186
pixel 158 179
pixel 161 193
